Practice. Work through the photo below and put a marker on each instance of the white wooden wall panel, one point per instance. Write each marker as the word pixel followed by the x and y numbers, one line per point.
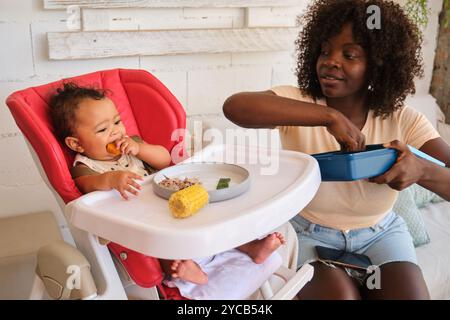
pixel 159 19
pixel 86 45
pixel 215 15
pixel 208 89
pixel 63 4
pixel 272 17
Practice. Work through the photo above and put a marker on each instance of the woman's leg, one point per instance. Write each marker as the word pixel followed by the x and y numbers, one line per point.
pixel 399 281
pixel 329 284
pixel 391 247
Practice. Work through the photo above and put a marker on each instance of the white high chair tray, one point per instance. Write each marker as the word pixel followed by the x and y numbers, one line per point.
pixel 144 223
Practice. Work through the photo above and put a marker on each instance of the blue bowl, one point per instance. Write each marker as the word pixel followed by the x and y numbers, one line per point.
pixel 349 166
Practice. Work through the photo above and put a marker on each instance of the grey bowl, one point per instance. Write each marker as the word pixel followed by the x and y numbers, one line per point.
pixel 209 174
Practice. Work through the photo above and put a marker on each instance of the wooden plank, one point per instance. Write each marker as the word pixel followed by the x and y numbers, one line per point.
pixel 74 19
pixel 272 17
pixel 90 45
pixel 158 19
pixel 63 4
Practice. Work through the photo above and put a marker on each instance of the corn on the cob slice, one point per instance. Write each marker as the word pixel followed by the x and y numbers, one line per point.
pixel 187 202
pixel 111 148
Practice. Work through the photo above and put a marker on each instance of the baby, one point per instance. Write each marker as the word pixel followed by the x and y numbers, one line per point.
pixel 87 121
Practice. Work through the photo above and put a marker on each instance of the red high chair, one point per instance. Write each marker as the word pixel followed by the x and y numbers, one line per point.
pixel 147 109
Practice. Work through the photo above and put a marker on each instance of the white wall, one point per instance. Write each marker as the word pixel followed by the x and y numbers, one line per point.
pixel 429 44
pixel 200 81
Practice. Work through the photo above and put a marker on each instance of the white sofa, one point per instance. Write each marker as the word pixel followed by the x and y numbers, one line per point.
pixel 434 258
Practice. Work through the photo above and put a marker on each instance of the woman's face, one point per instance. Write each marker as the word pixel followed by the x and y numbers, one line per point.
pixel 341 66
pixel 97 124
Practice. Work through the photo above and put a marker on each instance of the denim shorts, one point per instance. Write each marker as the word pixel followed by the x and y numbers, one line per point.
pixel 387 241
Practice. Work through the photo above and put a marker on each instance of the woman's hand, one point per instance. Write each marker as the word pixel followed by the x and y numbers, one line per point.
pixel 123 181
pixel 345 132
pixel 126 145
pixel 407 170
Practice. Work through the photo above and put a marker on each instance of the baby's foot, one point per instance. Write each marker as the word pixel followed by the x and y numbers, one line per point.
pixel 188 270
pixel 265 247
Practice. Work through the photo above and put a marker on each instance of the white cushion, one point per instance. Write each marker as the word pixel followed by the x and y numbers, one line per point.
pixel 434 258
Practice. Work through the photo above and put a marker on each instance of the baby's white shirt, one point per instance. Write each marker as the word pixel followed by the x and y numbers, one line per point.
pixel 124 163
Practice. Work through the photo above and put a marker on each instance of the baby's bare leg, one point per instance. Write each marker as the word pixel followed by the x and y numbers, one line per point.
pixel 187 270
pixel 260 250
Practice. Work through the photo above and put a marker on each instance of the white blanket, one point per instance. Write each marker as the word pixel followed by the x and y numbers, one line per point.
pixel 232 275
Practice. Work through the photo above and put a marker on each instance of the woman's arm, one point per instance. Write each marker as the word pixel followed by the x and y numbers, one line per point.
pixel 410 169
pixel 267 110
pixel 437 178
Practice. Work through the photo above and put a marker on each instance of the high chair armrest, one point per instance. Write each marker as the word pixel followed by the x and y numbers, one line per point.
pixel 294 281
pixel 65 272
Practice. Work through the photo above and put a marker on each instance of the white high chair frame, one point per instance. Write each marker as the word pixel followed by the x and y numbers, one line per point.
pixel 112 286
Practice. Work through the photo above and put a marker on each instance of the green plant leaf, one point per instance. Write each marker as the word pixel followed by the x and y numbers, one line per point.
pixel 418 11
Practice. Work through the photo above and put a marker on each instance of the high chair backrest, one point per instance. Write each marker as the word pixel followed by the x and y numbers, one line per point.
pixel 147 108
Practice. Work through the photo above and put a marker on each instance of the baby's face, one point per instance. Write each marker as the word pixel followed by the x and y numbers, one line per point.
pixel 97 124
pixel 341 66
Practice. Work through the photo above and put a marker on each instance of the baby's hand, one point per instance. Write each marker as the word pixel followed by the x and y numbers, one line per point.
pixel 124 181
pixel 126 145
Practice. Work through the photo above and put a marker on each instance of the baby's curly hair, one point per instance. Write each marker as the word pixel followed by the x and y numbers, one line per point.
pixel 393 52
pixel 64 104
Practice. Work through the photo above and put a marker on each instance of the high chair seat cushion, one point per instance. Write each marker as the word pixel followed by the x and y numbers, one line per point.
pixel 145 271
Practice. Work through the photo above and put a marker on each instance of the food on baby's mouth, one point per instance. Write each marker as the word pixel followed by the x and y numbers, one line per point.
pixel 187 202
pixel 178 184
pixel 111 148
pixel 223 183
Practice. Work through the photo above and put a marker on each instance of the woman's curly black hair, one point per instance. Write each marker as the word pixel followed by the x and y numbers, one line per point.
pixel 64 104
pixel 393 52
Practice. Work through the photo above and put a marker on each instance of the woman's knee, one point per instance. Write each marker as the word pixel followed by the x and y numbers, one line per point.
pixel 399 281
pixel 329 284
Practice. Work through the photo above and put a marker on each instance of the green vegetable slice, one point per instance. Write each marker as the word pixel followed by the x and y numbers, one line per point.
pixel 223 183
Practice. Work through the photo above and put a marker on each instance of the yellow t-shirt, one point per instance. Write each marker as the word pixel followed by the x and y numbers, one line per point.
pixel 354 204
